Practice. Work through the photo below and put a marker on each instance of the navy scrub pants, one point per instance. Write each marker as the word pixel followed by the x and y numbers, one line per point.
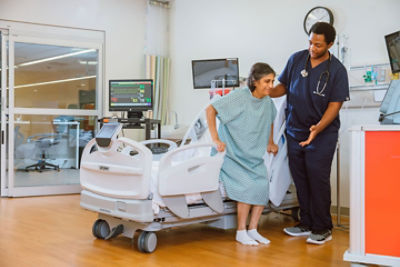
pixel 310 167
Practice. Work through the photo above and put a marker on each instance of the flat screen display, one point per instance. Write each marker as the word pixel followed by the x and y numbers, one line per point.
pixel 108 130
pixel 130 95
pixel 393 47
pixel 390 106
pixel 220 72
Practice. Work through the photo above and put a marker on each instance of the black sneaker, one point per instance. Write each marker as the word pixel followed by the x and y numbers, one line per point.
pixel 298 230
pixel 319 237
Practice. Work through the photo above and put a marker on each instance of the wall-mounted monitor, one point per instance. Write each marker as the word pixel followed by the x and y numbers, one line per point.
pixel 220 72
pixel 393 47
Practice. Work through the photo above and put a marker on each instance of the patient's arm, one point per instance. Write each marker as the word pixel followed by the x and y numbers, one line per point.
pixel 271 147
pixel 278 90
pixel 212 126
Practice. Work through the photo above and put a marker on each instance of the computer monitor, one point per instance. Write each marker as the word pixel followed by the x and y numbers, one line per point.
pixel 133 96
pixel 393 47
pixel 221 72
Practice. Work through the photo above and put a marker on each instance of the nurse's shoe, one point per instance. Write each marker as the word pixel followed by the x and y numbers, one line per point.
pixel 298 230
pixel 319 237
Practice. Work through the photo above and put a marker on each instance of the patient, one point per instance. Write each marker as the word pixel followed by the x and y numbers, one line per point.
pixel 246 128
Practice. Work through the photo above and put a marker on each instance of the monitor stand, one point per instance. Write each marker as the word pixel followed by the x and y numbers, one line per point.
pixel 136 116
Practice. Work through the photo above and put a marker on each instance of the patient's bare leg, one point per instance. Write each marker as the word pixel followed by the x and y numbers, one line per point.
pixel 241 233
pixel 255 217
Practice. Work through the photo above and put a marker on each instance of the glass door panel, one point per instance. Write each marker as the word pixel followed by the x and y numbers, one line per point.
pixel 54 105
pixel 47 148
pixel 55 77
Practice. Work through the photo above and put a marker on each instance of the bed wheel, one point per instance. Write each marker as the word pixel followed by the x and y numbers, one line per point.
pixel 100 229
pixel 147 242
pixel 295 213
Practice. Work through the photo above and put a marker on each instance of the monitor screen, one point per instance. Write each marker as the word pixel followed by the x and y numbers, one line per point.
pixel 130 95
pixel 393 47
pixel 222 72
pixel 390 106
pixel 108 130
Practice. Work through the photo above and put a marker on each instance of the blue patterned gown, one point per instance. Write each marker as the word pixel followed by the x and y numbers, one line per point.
pixel 245 126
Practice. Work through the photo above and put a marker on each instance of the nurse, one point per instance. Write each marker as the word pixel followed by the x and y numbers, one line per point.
pixel 246 116
pixel 316 85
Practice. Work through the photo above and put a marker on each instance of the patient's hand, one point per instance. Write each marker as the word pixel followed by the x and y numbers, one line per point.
pixel 220 145
pixel 272 148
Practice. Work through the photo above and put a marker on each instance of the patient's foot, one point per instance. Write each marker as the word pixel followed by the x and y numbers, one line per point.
pixel 256 236
pixel 242 237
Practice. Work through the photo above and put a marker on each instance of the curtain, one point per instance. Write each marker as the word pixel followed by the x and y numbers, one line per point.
pixel 157 56
pixel 158 69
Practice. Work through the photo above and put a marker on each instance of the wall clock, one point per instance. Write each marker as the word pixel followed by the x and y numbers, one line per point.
pixel 317 14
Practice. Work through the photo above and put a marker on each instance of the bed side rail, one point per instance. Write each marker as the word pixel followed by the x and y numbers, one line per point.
pixel 114 173
pixel 194 175
pixel 199 174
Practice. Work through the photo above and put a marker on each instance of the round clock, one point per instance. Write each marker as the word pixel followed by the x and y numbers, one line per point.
pixel 317 14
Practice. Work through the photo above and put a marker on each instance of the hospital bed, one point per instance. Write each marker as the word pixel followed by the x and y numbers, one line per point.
pixel 134 191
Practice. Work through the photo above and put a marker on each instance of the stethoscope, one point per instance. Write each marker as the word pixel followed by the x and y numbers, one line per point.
pixel 304 73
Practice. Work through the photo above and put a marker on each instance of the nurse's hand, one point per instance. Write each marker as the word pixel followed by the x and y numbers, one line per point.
pixel 272 148
pixel 313 134
pixel 220 145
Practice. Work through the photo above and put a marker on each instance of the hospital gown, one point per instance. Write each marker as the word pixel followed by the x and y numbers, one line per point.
pixel 245 126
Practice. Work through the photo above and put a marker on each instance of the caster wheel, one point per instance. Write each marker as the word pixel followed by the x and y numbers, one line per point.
pixel 147 242
pixel 100 229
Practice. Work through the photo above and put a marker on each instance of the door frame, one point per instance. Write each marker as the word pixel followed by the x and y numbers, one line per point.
pixel 3 130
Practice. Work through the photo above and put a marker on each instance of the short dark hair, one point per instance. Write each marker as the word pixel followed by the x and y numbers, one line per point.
pixel 258 71
pixel 326 29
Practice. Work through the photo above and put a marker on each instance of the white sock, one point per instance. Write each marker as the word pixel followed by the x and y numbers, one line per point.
pixel 242 237
pixel 256 236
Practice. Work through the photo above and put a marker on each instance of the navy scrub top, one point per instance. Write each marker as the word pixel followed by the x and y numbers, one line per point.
pixel 304 108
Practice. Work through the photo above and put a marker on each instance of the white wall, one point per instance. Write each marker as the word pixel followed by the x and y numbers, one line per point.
pixel 270 31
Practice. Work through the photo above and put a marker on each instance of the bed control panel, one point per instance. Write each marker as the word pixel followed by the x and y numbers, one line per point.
pixel 108 132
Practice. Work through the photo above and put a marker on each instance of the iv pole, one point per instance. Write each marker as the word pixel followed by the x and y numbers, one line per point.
pixel 338 205
pixel 214 86
pixel 341 54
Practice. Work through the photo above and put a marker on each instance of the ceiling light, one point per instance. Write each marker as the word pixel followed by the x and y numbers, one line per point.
pixel 83 62
pixel 56 57
pixel 54 82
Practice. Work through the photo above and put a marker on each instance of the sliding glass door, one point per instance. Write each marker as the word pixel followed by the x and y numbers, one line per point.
pixel 3 105
pixel 55 99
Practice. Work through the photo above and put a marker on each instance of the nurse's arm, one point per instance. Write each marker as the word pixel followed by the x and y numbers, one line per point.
pixel 330 114
pixel 278 90
pixel 212 126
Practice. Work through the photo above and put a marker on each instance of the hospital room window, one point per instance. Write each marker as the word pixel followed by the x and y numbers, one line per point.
pixel 56 77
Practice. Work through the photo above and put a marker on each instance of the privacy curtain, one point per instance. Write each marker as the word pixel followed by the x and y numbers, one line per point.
pixel 157 61
pixel 158 69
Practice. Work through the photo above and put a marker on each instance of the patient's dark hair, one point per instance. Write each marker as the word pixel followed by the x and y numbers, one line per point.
pixel 258 71
pixel 326 29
